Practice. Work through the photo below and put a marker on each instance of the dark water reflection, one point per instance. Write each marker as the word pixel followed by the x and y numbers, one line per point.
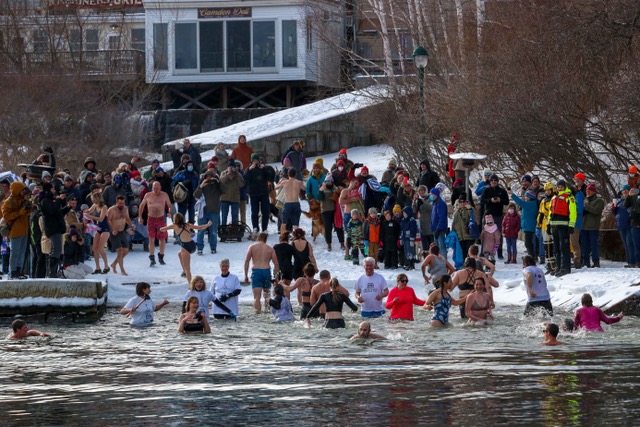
pixel 257 372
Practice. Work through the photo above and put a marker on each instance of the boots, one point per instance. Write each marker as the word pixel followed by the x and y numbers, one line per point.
pixel 52 268
pixel 161 259
pixel 542 260
pixel 596 264
pixel 329 247
pixel 152 260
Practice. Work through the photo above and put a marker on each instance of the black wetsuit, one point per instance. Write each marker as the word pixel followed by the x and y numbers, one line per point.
pixel 331 305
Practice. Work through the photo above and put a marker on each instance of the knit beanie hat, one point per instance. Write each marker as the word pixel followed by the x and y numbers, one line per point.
pixel 397 209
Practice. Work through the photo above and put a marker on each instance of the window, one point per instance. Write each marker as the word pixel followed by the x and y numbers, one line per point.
pixel 114 42
pixel 238 46
pixel 309 33
pixel 186 46
pixel 211 47
pixel 289 44
pixel 75 40
pixel 92 40
pixel 264 44
pixel 137 39
pixel 160 47
pixel 40 41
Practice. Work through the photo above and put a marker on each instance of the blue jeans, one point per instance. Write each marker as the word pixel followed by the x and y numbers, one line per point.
pixel 18 247
pixel 635 236
pixel 589 242
pixel 512 247
pixel 224 210
pixel 260 204
pixel 408 249
pixel 440 242
pixel 214 217
pixel 627 240
pixel 140 233
pixel 539 243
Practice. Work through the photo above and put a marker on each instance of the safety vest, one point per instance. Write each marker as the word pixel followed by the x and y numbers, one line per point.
pixel 563 209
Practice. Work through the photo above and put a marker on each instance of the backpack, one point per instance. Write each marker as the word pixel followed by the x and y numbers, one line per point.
pixel 473 228
pixel 180 193
pixel 5 227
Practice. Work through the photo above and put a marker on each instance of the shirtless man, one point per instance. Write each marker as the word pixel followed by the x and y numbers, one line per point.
pixel 322 287
pixel 21 331
pixel 551 331
pixel 118 217
pixel 291 210
pixel 364 332
pixel 262 255
pixel 158 204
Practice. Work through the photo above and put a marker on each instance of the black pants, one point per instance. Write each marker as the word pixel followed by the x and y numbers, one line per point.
pixel 327 220
pixel 529 237
pixel 561 247
pixel 260 204
pixel 532 307
pixel 390 256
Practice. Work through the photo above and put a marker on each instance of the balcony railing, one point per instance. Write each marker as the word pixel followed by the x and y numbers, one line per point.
pixel 100 64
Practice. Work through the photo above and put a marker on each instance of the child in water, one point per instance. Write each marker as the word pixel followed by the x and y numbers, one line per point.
pixel 280 305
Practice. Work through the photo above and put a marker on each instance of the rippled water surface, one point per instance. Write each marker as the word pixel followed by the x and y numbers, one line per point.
pixel 262 373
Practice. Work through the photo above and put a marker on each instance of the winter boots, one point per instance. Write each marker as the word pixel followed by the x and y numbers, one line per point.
pixel 152 260
pixel 161 259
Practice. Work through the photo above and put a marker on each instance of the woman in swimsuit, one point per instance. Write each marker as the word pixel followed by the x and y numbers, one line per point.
pixel 193 320
pixel 478 305
pixel 98 213
pixel 440 300
pixel 333 302
pixel 304 253
pixel 183 229
pixel 464 280
pixel 304 285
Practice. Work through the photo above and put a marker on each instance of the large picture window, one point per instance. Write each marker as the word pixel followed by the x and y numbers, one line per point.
pixel 186 47
pixel 238 46
pixel 160 47
pixel 289 44
pixel 211 47
pixel 264 44
pixel 137 39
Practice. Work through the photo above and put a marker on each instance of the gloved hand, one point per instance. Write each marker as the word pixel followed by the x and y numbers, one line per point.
pixel 358 165
pixel 223 297
pixel 570 230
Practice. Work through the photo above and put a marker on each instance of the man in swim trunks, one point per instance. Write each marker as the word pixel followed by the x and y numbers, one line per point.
pixel 261 256
pixel 158 206
pixel 370 289
pixel 364 332
pixel 291 211
pixel 118 217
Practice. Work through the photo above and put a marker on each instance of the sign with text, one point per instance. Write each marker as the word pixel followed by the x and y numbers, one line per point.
pixel 224 12
pixel 93 4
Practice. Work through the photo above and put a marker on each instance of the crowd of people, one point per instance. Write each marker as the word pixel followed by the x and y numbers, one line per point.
pixel 56 223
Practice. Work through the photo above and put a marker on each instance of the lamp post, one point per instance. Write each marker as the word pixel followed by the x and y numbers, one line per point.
pixel 421 59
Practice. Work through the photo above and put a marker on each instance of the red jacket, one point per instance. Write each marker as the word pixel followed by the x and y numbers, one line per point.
pixel 511 225
pixel 403 308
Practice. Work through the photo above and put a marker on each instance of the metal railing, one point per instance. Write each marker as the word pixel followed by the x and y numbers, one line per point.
pixel 100 63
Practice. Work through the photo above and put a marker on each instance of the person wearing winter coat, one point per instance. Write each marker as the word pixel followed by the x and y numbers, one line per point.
pixel 528 219
pixel 460 224
pixel 484 183
pixel 408 230
pixel 231 181
pixel 544 212
pixel 404 196
pixel 439 219
pixel 389 237
pixel 118 188
pixel 422 207
pixel 428 177
pixel 355 235
pixel 329 208
pixel 73 265
pixel 493 200
pixel 457 190
pixel 241 152
pixel 579 193
pixel 258 180
pixel 16 210
pixel 189 177
pixel 510 229
pixel 623 224
pixel 209 188
pixel 372 234
pixel 54 209
pixel 490 238
pixel 589 236
pixel 315 180
pixel 298 161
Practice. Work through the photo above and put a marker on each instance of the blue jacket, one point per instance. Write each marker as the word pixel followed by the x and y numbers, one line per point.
pixel 408 226
pixel 439 220
pixel 189 179
pixel 623 217
pixel 529 213
pixel 579 196
pixel 313 186
pixel 480 187
pixel 452 242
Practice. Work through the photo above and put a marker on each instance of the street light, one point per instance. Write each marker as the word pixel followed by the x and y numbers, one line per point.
pixel 421 59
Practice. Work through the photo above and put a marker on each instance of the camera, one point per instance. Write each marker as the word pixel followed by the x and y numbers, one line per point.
pixel 234 169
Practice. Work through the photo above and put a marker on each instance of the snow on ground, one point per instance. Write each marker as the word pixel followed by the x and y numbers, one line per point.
pixel 608 285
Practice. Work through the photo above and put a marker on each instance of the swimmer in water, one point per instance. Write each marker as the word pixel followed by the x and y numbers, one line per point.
pixel 193 319
pixel 551 335
pixel 478 304
pixel 364 332
pixel 21 331
pixel 440 301
pixel 333 301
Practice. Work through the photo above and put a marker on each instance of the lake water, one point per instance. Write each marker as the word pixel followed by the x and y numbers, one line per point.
pixel 260 373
